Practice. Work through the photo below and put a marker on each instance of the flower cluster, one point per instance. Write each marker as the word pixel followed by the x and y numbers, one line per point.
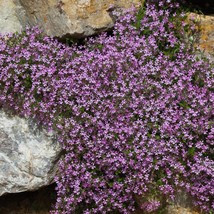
pixel 133 111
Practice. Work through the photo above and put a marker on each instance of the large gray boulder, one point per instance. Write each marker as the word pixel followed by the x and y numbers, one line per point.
pixel 9 22
pixel 61 18
pixel 28 155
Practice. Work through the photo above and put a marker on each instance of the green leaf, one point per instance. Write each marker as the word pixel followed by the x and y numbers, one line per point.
pixel 139 17
pixel 27 82
pixel 184 104
pixel 116 136
pixel 191 151
pixel 159 182
pixel 82 109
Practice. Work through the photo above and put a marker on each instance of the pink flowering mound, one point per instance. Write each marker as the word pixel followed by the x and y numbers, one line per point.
pixel 133 111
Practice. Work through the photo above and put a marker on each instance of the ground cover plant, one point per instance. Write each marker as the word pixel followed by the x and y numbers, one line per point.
pixel 133 111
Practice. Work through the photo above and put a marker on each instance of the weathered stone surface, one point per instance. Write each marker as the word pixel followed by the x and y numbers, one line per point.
pixel 182 204
pixel 206 29
pixel 9 22
pixel 207 33
pixel 78 18
pixel 28 155
pixel 180 210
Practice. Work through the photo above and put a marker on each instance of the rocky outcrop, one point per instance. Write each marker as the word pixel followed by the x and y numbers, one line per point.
pixel 205 24
pixel 61 18
pixel 9 22
pixel 206 33
pixel 28 155
pixel 182 204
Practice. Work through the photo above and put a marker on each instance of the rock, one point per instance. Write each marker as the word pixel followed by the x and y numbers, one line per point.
pixel 182 204
pixel 206 29
pixel 61 18
pixel 180 210
pixel 9 22
pixel 28 155
pixel 206 33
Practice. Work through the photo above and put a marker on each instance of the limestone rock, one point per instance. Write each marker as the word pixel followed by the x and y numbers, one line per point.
pixel 207 33
pixel 28 155
pixel 206 29
pixel 182 204
pixel 61 18
pixel 180 210
pixel 9 22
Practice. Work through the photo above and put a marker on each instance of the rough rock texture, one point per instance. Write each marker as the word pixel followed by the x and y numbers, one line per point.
pixel 28 155
pixel 171 210
pixel 180 210
pixel 206 28
pixel 182 204
pixel 8 18
pixel 207 33
pixel 78 18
